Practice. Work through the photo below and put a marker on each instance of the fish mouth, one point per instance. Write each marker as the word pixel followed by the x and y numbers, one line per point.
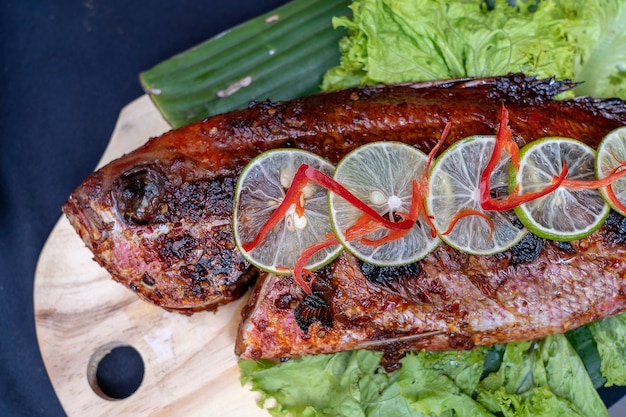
pixel 87 220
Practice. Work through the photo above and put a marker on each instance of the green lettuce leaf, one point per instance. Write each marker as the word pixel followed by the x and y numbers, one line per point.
pixel 610 336
pixel 350 384
pixel 353 384
pixel 396 41
pixel 601 39
pixel 393 41
pixel 442 384
pixel 544 378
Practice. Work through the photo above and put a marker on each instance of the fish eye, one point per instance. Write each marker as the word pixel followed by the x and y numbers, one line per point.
pixel 138 193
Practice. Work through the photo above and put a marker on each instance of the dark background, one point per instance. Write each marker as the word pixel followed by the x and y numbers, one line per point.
pixel 67 69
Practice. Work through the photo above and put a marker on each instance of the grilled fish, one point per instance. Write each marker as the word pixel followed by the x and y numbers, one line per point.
pixel 159 218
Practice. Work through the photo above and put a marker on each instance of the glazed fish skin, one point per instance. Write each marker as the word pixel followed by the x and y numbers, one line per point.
pixel 159 218
pixel 448 300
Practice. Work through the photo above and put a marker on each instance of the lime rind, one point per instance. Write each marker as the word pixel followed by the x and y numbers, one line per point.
pixel 260 189
pixel 381 174
pixel 564 214
pixel 611 150
pixel 454 183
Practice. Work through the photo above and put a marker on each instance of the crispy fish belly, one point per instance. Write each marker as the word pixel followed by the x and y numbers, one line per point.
pixel 448 300
pixel 159 219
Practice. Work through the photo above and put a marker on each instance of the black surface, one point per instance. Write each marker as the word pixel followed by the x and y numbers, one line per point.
pixel 119 373
pixel 67 69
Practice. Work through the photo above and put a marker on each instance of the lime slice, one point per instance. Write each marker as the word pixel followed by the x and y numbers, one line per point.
pixel 454 185
pixel 565 214
pixel 381 175
pixel 612 149
pixel 261 188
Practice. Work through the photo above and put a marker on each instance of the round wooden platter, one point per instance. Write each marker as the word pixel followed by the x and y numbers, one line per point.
pixel 81 314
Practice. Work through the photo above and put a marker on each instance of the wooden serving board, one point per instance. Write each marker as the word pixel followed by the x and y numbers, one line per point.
pixel 81 314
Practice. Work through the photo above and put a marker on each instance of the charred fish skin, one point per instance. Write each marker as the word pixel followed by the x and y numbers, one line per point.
pixel 159 218
pixel 451 300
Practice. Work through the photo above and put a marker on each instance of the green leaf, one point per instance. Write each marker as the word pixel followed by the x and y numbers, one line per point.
pixel 610 335
pixel 601 39
pixel 347 384
pixel 441 384
pixel 277 56
pixel 397 41
pixel 566 376
pixel 583 342
pixel 544 378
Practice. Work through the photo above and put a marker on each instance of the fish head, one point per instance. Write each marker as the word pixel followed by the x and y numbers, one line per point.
pixel 159 222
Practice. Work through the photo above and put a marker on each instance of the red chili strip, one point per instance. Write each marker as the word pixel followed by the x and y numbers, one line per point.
pixel 514 199
pixel 389 237
pixel 504 142
pixel 595 184
pixel 433 151
pixel 299 272
pixel 616 173
pixel 363 226
pixel 291 197
pixel 466 212
pixel 414 212
pixel 616 202
pixel 609 189
pixel 424 184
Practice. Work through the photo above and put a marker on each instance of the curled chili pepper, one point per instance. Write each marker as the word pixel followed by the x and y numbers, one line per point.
pixel 505 142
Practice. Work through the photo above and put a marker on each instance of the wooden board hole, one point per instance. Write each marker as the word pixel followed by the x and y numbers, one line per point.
pixel 115 371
